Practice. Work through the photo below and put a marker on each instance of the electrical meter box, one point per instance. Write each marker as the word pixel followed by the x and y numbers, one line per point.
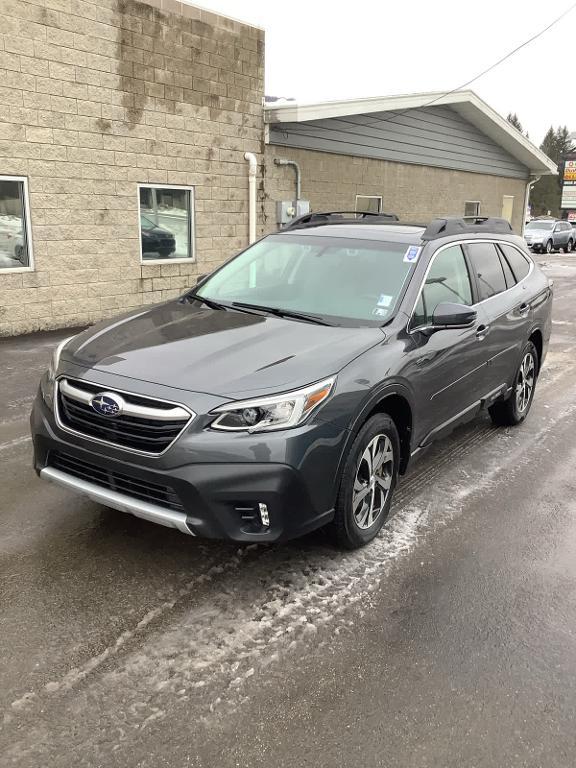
pixel 288 210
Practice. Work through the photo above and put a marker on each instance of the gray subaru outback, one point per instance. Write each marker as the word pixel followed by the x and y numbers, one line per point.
pixel 291 387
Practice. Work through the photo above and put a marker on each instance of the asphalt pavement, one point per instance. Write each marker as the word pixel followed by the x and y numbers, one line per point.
pixel 448 642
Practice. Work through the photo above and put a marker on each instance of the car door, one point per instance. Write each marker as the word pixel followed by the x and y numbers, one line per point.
pixel 506 305
pixel 447 367
pixel 559 238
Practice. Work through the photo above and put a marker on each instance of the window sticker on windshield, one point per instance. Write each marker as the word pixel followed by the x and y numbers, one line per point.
pixel 412 253
pixel 380 311
pixel 384 300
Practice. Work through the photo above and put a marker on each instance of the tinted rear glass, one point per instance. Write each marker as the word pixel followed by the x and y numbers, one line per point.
pixel 487 269
pixel 519 263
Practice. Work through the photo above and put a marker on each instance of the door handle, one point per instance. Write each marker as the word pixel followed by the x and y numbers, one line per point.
pixel 523 309
pixel 482 332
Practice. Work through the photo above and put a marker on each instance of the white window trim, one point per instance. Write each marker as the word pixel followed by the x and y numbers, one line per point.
pixel 187 259
pixel 28 225
pixel 367 197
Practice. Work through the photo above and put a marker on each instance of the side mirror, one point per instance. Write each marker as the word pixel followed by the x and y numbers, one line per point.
pixel 448 315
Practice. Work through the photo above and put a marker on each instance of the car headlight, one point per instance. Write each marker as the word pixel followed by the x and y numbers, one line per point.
pixel 264 414
pixel 47 381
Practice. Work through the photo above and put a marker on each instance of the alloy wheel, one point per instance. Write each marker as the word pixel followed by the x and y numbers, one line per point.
pixel 549 246
pixel 525 382
pixel 372 481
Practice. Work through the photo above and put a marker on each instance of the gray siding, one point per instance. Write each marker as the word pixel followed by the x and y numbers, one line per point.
pixel 435 136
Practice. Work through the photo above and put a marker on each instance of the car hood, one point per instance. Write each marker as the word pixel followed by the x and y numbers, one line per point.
pixel 228 353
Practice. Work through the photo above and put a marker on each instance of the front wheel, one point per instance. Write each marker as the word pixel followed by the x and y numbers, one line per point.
pixel 367 483
pixel 569 247
pixel 515 408
pixel 549 246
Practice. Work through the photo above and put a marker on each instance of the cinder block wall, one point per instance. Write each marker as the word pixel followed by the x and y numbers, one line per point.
pixel 97 96
pixel 413 192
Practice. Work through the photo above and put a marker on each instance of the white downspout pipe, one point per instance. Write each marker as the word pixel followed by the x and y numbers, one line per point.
pixel 252 166
pixel 529 185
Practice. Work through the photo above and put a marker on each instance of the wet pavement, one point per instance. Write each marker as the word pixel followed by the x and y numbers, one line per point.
pixel 450 641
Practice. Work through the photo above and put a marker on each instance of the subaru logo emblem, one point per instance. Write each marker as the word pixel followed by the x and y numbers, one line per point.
pixel 107 404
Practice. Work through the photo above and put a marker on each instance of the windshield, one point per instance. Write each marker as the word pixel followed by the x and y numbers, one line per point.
pixel 334 278
pixel 540 225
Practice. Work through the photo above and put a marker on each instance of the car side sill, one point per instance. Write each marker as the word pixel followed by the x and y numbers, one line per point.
pixel 152 512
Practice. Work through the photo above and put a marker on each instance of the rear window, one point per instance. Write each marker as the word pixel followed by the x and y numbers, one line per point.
pixel 518 262
pixel 487 269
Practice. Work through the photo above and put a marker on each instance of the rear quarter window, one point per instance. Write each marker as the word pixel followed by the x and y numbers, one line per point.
pixel 518 262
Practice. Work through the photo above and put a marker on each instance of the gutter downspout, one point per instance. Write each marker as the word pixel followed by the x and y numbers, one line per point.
pixel 533 180
pixel 252 166
pixel 292 164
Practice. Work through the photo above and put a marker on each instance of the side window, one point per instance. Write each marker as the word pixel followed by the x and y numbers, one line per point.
pixel 447 281
pixel 487 269
pixel 519 263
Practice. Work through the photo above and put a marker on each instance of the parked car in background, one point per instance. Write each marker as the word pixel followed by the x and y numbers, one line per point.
pixel 293 385
pixel 155 239
pixel 547 235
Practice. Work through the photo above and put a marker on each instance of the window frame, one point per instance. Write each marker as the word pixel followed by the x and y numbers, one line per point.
pixel 477 301
pixel 369 197
pixel 28 227
pixel 477 203
pixel 191 224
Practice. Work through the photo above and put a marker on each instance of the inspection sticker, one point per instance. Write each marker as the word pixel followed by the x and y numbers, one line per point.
pixel 380 311
pixel 384 301
pixel 412 253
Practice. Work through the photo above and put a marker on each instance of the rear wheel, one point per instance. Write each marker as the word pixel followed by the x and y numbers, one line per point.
pixel 517 405
pixel 367 483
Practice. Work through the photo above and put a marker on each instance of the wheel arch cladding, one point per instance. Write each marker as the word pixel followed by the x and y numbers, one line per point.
pixel 398 408
pixel 537 339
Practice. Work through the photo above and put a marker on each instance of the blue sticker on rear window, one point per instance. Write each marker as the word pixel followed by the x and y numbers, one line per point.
pixel 412 253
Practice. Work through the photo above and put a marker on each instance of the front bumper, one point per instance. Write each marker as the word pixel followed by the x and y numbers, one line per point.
pixel 216 499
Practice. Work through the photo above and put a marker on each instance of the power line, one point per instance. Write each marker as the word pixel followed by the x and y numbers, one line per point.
pixel 485 71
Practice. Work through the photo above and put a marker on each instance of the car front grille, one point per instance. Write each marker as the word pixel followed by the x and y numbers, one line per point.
pixel 143 490
pixel 144 424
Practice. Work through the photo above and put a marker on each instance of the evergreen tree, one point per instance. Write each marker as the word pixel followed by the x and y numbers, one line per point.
pixel 513 120
pixel 547 192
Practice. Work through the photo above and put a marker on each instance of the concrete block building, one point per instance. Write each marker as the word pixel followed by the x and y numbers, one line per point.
pixel 128 133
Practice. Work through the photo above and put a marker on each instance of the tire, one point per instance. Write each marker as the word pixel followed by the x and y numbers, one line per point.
pixel 569 247
pixel 165 252
pixel 19 253
pixel 513 410
pixel 363 503
pixel 548 248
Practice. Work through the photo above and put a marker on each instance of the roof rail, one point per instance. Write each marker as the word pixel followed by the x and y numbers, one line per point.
pixel 320 218
pixel 461 225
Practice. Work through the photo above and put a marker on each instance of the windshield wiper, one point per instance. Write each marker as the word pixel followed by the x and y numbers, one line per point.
pixel 282 313
pixel 209 302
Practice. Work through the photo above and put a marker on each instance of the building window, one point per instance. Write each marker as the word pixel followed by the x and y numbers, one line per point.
pixel 15 240
pixel 472 208
pixel 166 222
pixel 368 204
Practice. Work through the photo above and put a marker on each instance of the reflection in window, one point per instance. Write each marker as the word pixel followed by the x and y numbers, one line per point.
pixel 14 235
pixel 166 222
pixel 448 281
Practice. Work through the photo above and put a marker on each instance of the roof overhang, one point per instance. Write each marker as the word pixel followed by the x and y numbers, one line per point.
pixel 466 103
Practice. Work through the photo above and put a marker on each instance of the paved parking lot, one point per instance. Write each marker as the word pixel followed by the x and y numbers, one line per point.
pixel 448 642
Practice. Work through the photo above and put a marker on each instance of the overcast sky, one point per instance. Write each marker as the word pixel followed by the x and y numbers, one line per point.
pixel 325 49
